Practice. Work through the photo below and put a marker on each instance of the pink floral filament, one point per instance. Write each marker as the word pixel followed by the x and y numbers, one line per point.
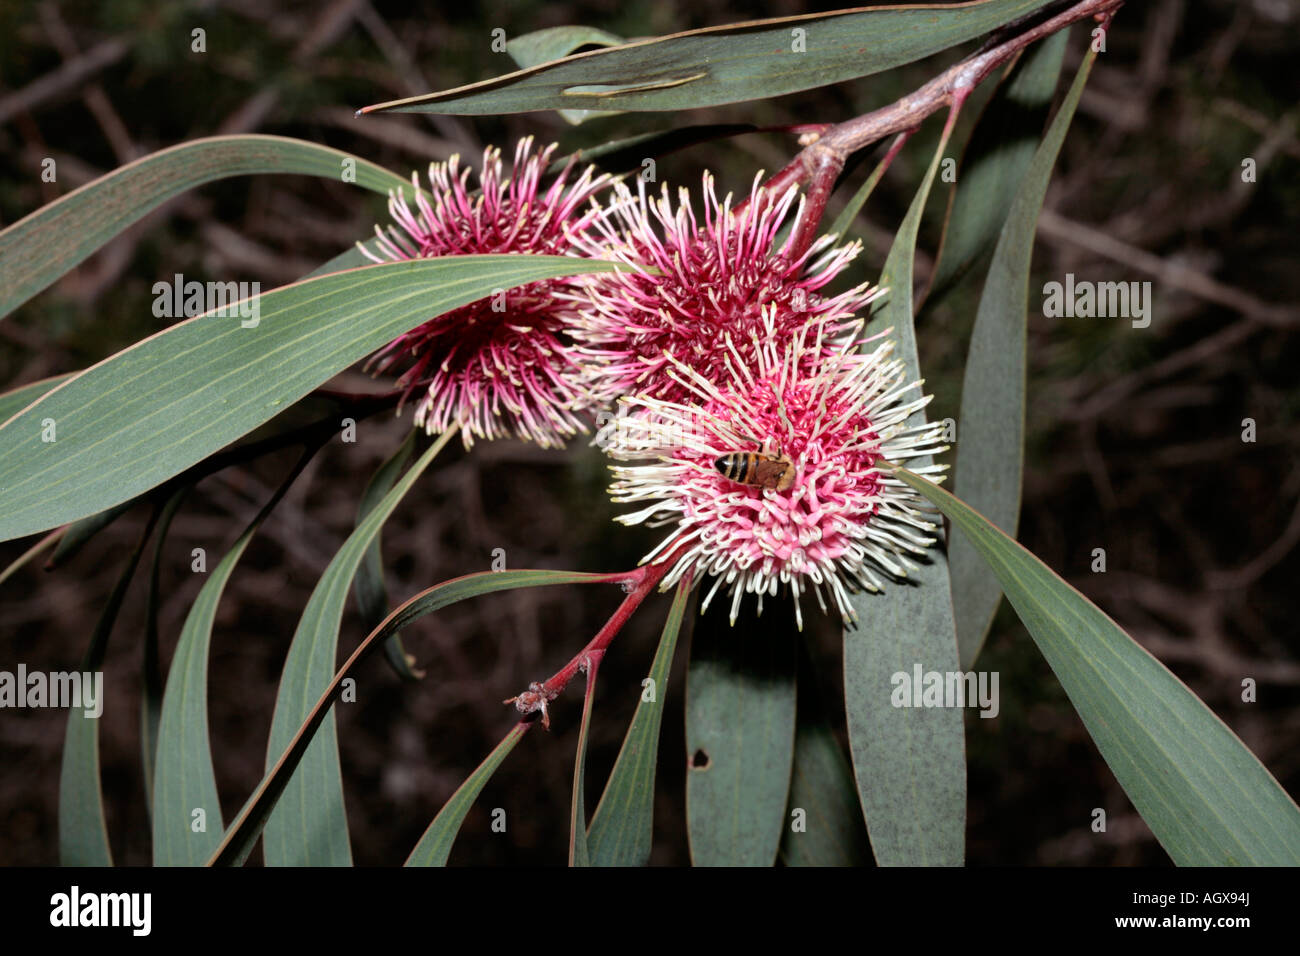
pixel 503 365
pixel 844 523
pixel 689 285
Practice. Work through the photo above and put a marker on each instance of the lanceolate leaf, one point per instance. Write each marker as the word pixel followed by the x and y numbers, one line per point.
pixel 991 426
pixel 579 854
pixel 994 163
pixel 44 544
pixel 37 250
pixel 185 790
pixel 824 816
pixel 368 587
pixel 622 828
pixel 553 43
pixel 239 840
pixel 151 679
pixel 436 843
pixel 186 808
pixel 729 64
pixel 310 825
pixel 542 46
pixel 17 399
pixel 80 532
pixel 897 274
pixel 910 762
pixel 147 413
pixel 1207 798
pixel 740 715
pixel 83 834
pixel 850 212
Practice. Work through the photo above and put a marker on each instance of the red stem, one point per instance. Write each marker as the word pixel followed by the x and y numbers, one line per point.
pixel 826 169
pixel 539 695
pixel 821 161
pixel 896 147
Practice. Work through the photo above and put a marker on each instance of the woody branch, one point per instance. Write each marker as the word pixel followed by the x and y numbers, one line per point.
pixel 822 160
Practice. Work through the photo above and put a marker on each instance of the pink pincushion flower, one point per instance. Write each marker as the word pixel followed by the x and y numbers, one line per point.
pixel 503 365
pixel 842 521
pixel 700 292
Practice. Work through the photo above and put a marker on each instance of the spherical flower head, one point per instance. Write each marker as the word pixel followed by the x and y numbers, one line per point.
pixel 689 285
pixel 816 507
pixel 503 365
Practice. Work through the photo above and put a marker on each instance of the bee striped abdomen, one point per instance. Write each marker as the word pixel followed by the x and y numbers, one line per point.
pixel 757 470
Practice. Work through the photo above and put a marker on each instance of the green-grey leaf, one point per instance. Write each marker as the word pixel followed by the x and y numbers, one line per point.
pixel 622 828
pixel 368 586
pixel 850 212
pixel 151 679
pixel 310 824
pixel 579 854
pixel 242 835
pixel 994 163
pixel 185 788
pixel 729 64
pixel 149 412
pixel 991 425
pixel 542 46
pixel 896 275
pixel 80 532
pixel 55 239
pixel 910 762
pixel 186 808
pixel 83 832
pixel 1207 798
pixel 435 844
pixel 740 717
pixel 15 400
pixel 44 544
pixel 822 788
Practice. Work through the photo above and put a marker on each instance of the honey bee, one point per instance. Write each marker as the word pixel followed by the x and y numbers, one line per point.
pixel 758 469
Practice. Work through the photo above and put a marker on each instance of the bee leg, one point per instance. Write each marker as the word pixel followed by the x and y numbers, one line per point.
pixel 785 419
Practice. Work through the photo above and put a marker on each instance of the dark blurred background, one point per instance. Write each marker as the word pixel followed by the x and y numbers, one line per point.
pixel 1134 436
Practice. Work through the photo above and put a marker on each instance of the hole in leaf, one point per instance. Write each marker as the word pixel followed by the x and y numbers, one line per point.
pixel 700 761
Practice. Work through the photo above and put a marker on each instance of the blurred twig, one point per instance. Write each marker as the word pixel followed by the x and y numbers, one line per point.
pixel 1057 228
pixel 63 80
